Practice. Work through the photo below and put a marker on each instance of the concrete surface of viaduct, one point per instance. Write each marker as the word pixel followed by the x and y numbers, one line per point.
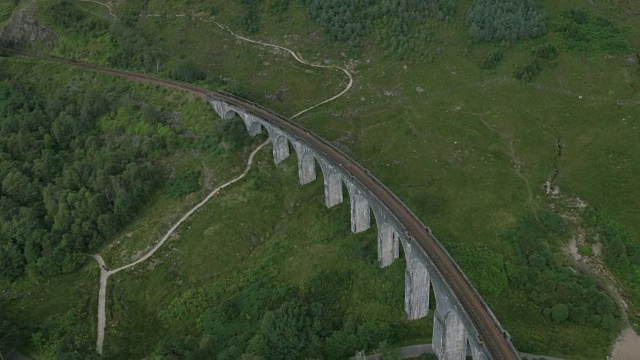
pixel 458 325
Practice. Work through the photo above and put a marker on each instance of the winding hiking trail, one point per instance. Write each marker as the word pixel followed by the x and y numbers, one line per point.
pixel 105 273
pixel 301 60
pixel 103 4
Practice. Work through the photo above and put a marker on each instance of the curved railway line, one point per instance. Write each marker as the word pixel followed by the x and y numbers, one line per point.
pixel 494 339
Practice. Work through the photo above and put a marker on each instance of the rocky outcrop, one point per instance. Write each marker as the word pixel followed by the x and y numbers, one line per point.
pixel 22 28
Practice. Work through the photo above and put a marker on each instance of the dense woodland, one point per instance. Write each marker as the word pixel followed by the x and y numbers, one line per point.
pixel 506 20
pixel 76 164
pixel 403 28
pixel 397 26
pixel 71 176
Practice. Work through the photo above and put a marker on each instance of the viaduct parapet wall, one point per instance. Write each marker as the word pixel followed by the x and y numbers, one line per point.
pixel 455 327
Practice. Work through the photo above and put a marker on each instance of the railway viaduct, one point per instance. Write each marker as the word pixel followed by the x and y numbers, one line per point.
pixel 462 320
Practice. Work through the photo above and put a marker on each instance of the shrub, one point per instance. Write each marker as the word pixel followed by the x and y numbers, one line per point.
pixel 250 19
pixel 547 52
pixel 528 71
pixel 586 32
pixel 560 312
pixel 586 250
pixel 493 60
pixel 184 183
pixel 187 70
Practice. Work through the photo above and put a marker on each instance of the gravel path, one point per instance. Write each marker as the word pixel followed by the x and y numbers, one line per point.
pixel 104 273
pixel 301 60
pixel 627 347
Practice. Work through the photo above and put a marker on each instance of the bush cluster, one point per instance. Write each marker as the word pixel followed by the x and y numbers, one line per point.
pixel 273 320
pixel 542 55
pixel 184 183
pixel 586 32
pixel 560 293
pixel 123 44
pixel 250 19
pixel 621 250
pixel 492 60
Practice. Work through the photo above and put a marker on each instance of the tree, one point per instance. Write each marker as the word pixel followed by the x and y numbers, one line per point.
pixel 605 306
pixel 12 261
pixel 293 331
pixel 559 312
pixel 187 70
pixel 283 333
pixel 20 188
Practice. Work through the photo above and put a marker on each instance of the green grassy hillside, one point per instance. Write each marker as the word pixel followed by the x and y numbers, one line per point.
pixel 465 119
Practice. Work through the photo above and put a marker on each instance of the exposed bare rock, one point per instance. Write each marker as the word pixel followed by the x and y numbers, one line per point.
pixel 23 28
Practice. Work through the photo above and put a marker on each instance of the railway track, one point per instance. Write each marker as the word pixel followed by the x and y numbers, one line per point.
pixel 492 336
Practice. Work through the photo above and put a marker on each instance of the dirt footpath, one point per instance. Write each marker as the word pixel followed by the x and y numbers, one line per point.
pixel 627 347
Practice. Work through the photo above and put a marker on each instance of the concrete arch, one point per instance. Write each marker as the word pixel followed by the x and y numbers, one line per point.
pixel 279 142
pixel 449 332
pixel 252 123
pixel 229 114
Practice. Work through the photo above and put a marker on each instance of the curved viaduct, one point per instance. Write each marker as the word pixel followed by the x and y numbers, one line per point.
pixel 462 319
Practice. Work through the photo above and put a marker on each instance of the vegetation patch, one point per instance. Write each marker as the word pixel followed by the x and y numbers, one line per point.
pixel 398 27
pixel 184 183
pixel 585 251
pixel 558 291
pixel 6 8
pixel 250 19
pixel 118 43
pixel 621 250
pixel 506 20
pixel 587 32
pixel 492 59
pixel 69 183
pixel 543 55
